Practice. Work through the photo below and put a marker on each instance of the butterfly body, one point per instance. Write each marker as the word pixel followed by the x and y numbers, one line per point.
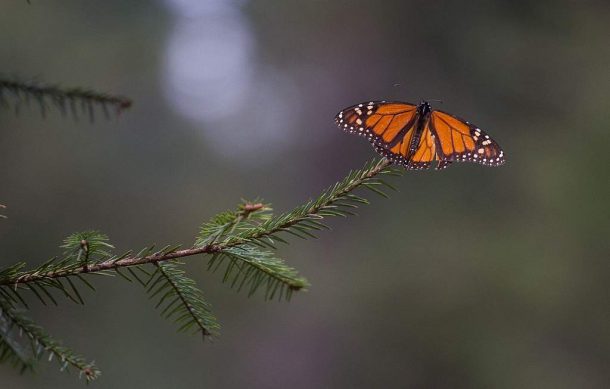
pixel 421 120
pixel 415 135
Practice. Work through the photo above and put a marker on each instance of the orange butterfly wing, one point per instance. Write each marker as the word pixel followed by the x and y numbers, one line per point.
pixel 389 126
pixel 425 152
pixel 458 140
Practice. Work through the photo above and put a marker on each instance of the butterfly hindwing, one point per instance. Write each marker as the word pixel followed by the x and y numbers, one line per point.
pixel 398 152
pixel 425 152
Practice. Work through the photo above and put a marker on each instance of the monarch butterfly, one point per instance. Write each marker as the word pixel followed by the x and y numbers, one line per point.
pixel 415 135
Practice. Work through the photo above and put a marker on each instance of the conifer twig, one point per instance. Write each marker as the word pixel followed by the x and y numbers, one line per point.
pixel 309 215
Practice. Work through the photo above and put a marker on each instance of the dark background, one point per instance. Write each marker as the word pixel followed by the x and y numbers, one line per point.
pixel 469 277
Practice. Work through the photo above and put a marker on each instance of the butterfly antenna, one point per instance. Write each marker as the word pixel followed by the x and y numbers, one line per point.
pixel 435 100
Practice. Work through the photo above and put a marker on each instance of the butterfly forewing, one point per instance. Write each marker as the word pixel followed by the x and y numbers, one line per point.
pixel 387 125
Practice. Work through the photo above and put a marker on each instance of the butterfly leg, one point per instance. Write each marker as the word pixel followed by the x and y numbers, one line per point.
pixel 442 164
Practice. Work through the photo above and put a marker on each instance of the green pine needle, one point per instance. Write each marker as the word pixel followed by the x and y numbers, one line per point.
pixel 248 267
pixel 87 246
pixel 247 215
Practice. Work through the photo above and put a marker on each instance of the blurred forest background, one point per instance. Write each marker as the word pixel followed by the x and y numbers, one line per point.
pixel 469 277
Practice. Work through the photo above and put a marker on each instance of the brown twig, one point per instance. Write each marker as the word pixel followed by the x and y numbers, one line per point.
pixel 112 264
pixel 211 248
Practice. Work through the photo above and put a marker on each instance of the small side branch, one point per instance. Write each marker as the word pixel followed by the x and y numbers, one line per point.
pixel 42 345
pixel 183 301
pixel 73 100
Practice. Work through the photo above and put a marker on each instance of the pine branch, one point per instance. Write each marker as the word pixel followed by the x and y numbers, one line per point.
pixel 303 222
pixel 182 301
pixel 75 101
pixel 41 344
pixel 241 241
